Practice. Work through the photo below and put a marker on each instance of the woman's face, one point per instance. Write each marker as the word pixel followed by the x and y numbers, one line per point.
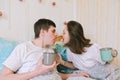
pixel 66 36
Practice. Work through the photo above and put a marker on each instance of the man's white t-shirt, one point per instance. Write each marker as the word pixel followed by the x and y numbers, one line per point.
pixel 86 60
pixel 25 57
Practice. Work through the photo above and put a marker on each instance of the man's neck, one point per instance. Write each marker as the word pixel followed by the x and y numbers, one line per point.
pixel 38 42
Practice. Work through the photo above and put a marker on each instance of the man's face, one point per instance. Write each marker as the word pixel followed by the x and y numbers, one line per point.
pixel 50 36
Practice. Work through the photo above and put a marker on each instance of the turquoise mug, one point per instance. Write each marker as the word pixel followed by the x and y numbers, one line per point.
pixel 106 54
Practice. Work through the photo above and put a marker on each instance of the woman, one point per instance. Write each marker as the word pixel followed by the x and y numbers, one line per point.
pixel 84 55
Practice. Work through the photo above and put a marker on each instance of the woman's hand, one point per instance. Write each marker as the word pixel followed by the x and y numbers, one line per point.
pixel 65 76
pixel 83 74
pixel 59 59
pixel 79 73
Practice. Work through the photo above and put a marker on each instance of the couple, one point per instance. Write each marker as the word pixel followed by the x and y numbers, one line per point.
pixel 25 62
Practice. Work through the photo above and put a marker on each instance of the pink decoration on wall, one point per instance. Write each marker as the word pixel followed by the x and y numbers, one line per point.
pixel 54 3
pixel 1 13
pixel 40 1
pixel 65 23
pixel 21 0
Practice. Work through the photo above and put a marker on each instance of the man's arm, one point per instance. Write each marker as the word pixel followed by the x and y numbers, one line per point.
pixel 8 74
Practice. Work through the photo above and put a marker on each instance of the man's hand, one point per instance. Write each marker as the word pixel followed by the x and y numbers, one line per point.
pixel 42 69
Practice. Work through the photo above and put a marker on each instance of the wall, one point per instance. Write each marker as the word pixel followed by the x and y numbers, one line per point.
pixel 19 16
pixel 101 22
pixel 100 18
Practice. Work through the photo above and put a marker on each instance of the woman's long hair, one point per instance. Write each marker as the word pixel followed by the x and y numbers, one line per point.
pixel 77 42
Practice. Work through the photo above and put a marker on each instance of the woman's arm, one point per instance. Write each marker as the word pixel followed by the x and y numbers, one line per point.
pixel 65 76
pixel 67 64
pixel 64 63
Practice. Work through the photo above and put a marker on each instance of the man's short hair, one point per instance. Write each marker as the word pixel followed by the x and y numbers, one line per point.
pixel 42 24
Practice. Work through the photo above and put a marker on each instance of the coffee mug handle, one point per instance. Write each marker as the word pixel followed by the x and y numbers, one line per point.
pixel 115 52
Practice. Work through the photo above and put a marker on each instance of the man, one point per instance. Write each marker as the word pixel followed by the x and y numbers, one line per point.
pixel 25 62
